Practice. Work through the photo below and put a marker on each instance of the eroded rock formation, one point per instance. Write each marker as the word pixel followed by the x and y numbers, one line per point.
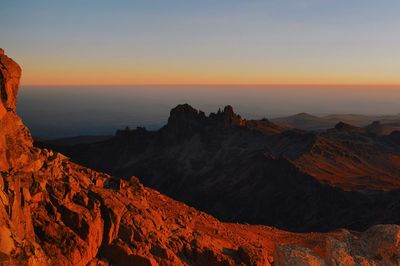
pixel 55 212
pixel 258 172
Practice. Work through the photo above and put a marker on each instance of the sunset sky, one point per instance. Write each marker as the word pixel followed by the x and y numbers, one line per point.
pixel 203 42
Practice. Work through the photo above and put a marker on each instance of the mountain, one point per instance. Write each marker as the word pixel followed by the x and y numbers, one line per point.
pixel 56 212
pixel 306 121
pixel 379 128
pixel 258 172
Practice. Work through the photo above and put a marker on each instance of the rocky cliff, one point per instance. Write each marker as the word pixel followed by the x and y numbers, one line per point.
pixel 55 212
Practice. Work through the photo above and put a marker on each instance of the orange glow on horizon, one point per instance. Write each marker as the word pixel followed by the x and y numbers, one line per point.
pixel 94 79
pixel 64 72
pixel 228 85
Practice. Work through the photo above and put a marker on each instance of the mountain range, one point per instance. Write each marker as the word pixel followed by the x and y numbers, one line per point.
pixel 56 212
pixel 257 171
pixel 379 124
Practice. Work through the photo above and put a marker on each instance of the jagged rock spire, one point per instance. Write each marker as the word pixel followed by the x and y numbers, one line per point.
pixel 10 74
pixel 15 138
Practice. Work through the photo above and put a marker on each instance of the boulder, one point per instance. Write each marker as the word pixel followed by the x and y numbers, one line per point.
pixel 382 242
pixel 290 255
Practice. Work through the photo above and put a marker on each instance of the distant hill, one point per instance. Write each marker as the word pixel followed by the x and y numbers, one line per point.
pixel 307 121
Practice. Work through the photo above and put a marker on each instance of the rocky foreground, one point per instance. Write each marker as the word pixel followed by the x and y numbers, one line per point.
pixel 55 212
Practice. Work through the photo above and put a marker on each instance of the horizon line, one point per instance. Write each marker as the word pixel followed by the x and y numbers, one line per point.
pixel 386 85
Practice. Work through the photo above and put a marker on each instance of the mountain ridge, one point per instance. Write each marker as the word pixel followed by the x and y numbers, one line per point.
pixel 55 212
pixel 258 171
pixel 306 121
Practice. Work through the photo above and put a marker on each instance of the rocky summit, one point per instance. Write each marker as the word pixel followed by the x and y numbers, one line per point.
pixel 254 171
pixel 55 212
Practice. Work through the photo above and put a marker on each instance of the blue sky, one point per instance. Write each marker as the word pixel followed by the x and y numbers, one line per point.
pixel 136 42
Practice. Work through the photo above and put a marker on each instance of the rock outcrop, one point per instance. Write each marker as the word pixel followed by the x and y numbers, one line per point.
pixel 291 179
pixel 55 212
pixel 15 139
pixel 185 121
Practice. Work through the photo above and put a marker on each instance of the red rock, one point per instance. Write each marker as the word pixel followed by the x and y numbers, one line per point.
pixel 250 256
pixel 382 241
pixel 295 255
pixel 338 253
pixel 11 74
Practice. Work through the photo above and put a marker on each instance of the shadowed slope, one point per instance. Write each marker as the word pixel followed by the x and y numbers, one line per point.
pixel 241 171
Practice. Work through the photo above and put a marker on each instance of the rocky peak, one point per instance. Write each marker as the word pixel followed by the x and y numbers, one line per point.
pixel 183 121
pixel 232 119
pixel 15 139
pixel 228 110
pixel 184 113
pixel 10 74
pixel 341 126
pixel 227 117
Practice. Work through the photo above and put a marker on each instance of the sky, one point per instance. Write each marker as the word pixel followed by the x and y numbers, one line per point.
pixel 108 42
